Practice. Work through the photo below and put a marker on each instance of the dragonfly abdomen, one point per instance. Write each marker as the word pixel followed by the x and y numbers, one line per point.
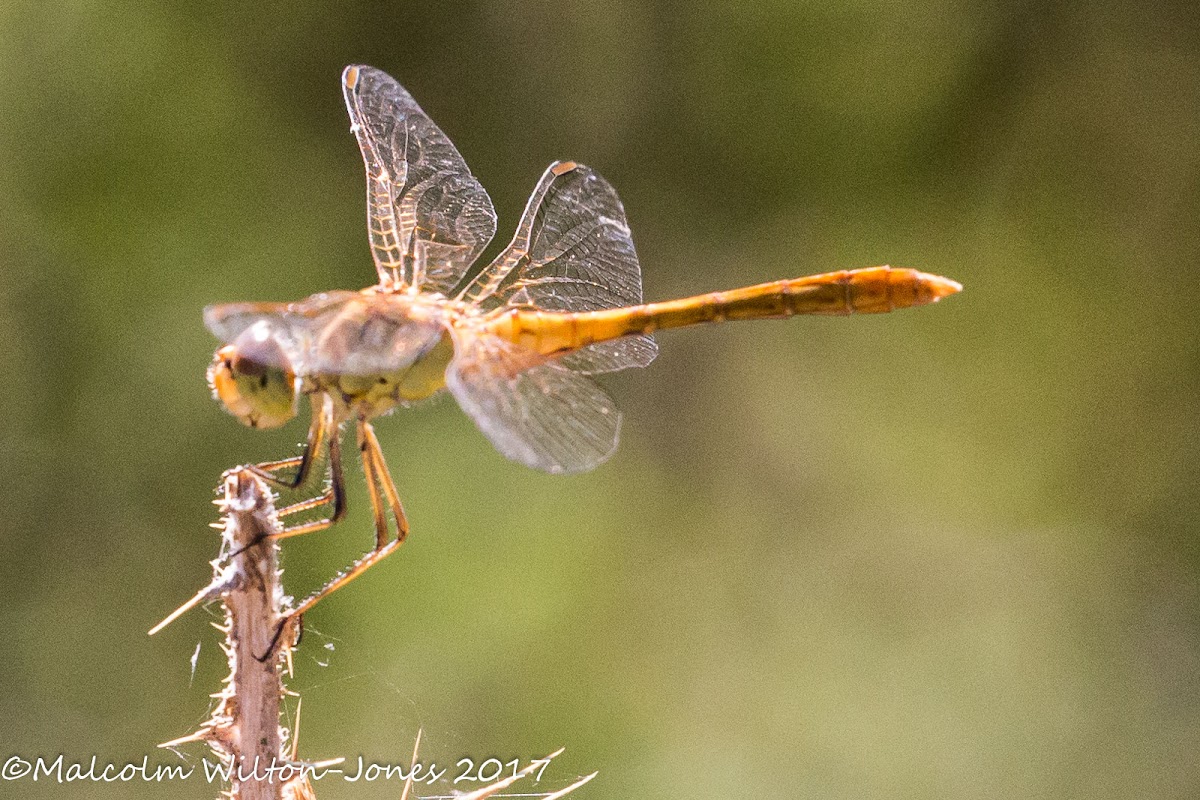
pixel 871 290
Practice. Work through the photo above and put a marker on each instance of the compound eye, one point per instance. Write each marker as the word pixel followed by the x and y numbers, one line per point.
pixel 254 379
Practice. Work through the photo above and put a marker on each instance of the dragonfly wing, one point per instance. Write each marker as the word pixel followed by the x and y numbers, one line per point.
pixel 572 252
pixel 533 410
pixel 228 321
pixel 631 351
pixel 293 325
pixel 427 216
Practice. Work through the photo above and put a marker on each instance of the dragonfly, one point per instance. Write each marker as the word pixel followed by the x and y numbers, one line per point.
pixel 516 342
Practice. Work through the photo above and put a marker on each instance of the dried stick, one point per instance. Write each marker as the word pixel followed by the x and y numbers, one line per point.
pixel 244 728
pixel 252 606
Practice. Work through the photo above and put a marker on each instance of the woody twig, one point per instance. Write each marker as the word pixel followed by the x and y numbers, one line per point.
pixel 244 728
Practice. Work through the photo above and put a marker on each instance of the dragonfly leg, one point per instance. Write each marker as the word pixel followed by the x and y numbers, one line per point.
pixel 318 432
pixel 384 498
pixel 370 446
pixel 381 489
pixel 322 436
pixel 334 496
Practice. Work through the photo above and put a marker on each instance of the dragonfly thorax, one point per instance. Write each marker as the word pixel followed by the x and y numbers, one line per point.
pixel 378 352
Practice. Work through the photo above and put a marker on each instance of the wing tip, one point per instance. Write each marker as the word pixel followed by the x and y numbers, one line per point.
pixel 213 315
pixel 350 76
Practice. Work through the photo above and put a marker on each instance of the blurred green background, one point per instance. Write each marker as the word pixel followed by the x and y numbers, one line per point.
pixel 950 552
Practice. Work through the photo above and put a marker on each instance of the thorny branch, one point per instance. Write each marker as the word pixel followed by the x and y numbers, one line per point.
pixel 244 727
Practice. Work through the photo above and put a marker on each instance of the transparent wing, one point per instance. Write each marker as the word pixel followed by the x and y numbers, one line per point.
pixel 631 351
pixel 572 252
pixel 293 325
pixel 228 321
pixel 535 411
pixel 427 216
pixel 335 333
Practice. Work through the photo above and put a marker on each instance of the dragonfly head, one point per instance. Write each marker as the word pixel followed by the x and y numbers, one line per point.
pixel 253 378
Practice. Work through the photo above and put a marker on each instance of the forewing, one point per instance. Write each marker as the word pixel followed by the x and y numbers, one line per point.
pixel 293 325
pixel 572 252
pixel 427 216
pixel 229 320
pixel 534 411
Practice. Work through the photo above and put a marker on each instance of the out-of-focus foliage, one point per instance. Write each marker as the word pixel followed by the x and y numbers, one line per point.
pixel 945 553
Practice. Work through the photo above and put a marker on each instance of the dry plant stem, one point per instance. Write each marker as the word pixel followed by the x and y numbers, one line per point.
pixel 244 727
pixel 246 723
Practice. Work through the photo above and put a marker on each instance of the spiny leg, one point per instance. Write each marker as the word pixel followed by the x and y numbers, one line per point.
pixel 377 474
pixel 384 475
pixel 372 474
pixel 335 495
pixel 380 489
pixel 322 435
pixel 318 431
